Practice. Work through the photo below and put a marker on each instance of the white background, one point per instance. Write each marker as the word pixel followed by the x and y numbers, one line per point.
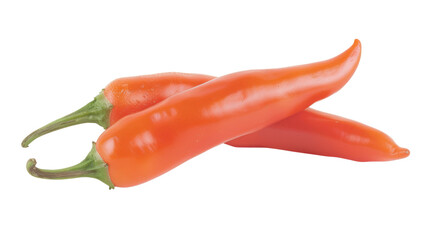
pixel 55 57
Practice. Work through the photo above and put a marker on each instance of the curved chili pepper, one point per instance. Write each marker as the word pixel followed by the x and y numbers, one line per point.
pixel 149 143
pixel 309 131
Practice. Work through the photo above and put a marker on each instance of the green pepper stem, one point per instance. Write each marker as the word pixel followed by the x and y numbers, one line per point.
pixel 92 166
pixel 97 111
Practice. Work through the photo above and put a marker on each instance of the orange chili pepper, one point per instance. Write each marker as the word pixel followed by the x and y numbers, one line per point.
pixel 149 143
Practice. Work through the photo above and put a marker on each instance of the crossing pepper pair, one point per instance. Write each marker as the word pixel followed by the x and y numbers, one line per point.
pixel 156 122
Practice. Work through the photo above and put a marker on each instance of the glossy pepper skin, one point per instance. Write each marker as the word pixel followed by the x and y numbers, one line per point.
pixel 315 132
pixel 134 94
pixel 144 145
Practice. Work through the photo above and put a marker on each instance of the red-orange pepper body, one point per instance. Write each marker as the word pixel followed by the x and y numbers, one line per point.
pixel 149 143
pixel 315 132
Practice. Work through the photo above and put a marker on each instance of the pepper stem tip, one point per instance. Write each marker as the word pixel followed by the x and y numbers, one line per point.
pixel 92 166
